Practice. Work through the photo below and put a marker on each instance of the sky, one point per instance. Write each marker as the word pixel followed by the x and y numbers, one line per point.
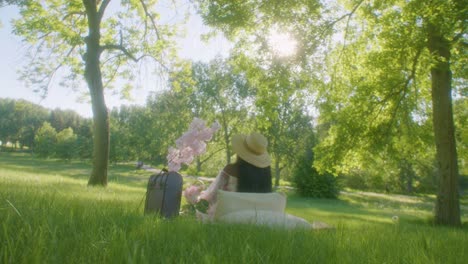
pixel 12 59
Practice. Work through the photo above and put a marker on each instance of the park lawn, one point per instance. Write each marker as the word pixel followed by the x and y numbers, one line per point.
pixel 49 215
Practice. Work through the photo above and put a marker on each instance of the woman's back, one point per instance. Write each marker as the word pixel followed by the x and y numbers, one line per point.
pixel 253 179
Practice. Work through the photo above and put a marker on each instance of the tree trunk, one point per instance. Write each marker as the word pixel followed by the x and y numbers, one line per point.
pixel 199 164
pixel 100 113
pixel 409 180
pixel 277 173
pixel 228 156
pixel 406 176
pixel 227 142
pixel 447 209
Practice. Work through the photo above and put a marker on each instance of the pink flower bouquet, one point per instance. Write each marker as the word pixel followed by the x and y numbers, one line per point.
pixel 191 194
pixel 194 203
pixel 191 144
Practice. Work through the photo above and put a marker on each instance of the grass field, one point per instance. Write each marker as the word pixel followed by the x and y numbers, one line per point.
pixel 49 215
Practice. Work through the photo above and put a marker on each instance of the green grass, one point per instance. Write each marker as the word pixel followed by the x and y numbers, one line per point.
pixel 49 215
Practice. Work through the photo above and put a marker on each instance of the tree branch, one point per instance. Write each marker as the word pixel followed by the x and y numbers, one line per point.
pixel 102 9
pixel 349 15
pixel 330 24
pixel 4 3
pixel 148 14
pixel 72 14
pixel 122 49
pixel 129 54
pixel 211 155
pixel 116 70
pixel 404 91
pixel 48 78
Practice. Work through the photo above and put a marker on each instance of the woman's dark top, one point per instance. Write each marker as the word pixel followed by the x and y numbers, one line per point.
pixel 253 179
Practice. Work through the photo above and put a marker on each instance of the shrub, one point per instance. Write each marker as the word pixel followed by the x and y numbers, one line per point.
pixel 310 183
pixel 45 140
pixel 66 147
pixel 354 181
pixel 84 140
pixel 84 147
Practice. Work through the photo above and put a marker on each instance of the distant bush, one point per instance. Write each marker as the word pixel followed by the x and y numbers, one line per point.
pixel 5 148
pixel 66 146
pixel 84 147
pixel 310 183
pixel 355 180
pixel 49 143
pixel 45 140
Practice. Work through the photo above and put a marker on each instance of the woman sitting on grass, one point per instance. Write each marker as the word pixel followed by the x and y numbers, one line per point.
pixel 250 173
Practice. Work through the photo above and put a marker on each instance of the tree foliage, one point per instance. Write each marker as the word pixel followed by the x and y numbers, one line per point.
pixel 66 146
pixel 389 74
pixel 220 93
pixel 45 140
pixel 22 121
pixel 387 81
pixel 93 43
pixel 7 128
pixel 308 181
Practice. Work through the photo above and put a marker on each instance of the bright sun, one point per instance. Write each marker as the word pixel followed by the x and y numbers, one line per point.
pixel 282 43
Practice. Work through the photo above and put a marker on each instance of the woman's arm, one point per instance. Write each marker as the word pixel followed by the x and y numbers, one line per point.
pixel 220 182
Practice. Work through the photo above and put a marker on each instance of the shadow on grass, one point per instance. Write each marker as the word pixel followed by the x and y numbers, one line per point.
pixel 125 174
pixel 359 208
pixel 382 201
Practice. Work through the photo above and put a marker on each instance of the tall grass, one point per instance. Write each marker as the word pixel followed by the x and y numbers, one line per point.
pixel 49 215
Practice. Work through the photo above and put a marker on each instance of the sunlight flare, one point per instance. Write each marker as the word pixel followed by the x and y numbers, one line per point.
pixel 283 44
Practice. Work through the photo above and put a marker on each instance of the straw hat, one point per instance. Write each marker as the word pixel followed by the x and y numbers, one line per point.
pixel 252 148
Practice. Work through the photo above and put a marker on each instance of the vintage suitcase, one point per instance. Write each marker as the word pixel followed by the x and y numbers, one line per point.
pixel 164 193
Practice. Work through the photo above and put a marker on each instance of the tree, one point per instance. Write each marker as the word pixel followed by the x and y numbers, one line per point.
pixel 92 42
pixel 66 147
pixel 443 31
pixel 130 128
pixel 10 2
pixel 168 115
pixel 461 124
pixel 45 140
pixel 279 95
pixel 19 121
pixel 85 139
pixel 376 78
pixel 221 94
pixel 62 119
pixel 280 81
pixel 379 85
pixel 30 117
pixel 308 181
pixel 7 127
pixel 120 148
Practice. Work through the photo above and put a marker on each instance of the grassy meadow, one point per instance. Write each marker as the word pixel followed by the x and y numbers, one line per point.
pixel 48 214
